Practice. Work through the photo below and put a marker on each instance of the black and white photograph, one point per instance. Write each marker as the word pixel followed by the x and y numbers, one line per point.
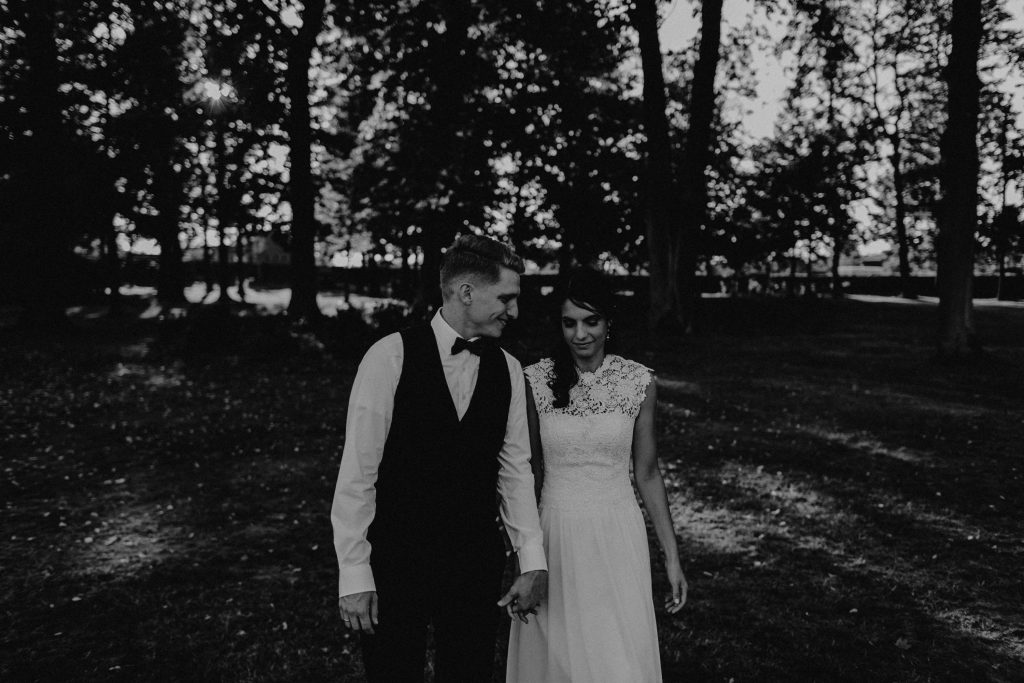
pixel 518 341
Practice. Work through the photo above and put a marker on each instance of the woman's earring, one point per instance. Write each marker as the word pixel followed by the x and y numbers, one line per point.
pixel 608 334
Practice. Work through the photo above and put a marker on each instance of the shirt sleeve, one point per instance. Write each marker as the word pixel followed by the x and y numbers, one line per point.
pixel 370 407
pixel 515 480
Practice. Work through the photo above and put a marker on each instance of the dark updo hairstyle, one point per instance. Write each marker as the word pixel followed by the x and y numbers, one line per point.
pixel 589 289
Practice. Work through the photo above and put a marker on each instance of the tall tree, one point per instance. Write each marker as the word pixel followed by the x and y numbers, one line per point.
pixel 959 182
pixel 302 190
pixel 149 131
pixel 890 120
pixel 564 93
pixel 662 209
pixel 446 99
pixel 696 157
pixel 1001 63
pixel 40 225
pixel 421 164
pixel 828 33
pixel 904 52
pixel 1004 228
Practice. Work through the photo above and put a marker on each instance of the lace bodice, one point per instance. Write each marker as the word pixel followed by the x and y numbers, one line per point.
pixel 587 444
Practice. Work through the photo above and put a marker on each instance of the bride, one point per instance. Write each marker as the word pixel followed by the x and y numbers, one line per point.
pixel 590 413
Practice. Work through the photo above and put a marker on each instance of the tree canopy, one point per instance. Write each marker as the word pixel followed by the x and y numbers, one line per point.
pixel 371 133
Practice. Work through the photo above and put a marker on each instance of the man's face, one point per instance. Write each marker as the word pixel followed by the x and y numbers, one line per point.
pixel 493 305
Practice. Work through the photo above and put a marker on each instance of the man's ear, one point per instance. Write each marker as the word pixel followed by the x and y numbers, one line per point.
pixel 464 291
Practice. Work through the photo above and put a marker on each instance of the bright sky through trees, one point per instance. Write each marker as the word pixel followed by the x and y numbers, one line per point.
pixel 682 21
pixel 679 28
pixel 215 91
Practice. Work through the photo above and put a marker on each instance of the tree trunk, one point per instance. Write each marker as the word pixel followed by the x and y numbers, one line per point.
pixel 1004 222
pixel 565 260
pixel 791 280
pixel 113 269
pixel 696 157
pixel 428 294
pixel 837 252
pixel 446 102
pixel 404 285
pixel 207 260
pixel 240 264
pixel 223 258
pixel 836 209
pixel 304 288
pixel 171 277
pixel 660 201
pixel 209 208
pixel 44 248
pixel 1001 279
pixel 902 242
pixel 959 182
pixel 898 179
pixel 569 214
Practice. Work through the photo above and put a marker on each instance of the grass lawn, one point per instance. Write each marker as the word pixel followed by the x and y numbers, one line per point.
pixel 849 508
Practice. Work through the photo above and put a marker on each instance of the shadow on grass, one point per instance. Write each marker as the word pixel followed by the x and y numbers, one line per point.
pixel 846 505
pixel 836 587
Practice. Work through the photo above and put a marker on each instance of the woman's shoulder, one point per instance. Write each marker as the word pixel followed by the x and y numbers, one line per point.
pixel 542 369
pixel 632 380
pixel 625 367
pixel 537 377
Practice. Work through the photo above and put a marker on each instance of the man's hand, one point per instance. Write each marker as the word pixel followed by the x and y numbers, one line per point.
pixel 527 591
pixel 359 611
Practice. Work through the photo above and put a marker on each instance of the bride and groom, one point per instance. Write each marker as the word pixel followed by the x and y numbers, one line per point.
pixel 444 434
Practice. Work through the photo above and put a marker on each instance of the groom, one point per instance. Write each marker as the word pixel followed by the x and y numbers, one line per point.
pixel 436 447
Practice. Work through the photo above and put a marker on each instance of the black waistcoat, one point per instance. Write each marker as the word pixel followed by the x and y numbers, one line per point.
pixel 436 490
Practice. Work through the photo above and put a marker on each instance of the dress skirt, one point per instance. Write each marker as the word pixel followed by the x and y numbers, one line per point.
pixel 597 625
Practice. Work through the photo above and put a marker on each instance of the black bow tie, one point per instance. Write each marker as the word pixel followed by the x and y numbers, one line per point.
pixel 461 345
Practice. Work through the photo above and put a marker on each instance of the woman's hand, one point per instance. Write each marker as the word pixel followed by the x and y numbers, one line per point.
pixel 675 601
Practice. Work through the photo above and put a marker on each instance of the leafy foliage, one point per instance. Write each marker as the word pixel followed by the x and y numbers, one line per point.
pixel 124 120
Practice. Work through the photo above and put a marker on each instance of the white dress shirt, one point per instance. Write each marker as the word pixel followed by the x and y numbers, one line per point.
pixel 366 429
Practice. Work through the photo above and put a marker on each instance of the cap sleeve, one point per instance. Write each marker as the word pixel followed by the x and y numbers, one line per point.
pixel 636 378
pixel 538 376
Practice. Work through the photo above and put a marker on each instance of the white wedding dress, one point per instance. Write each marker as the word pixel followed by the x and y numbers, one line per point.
pixel 597 624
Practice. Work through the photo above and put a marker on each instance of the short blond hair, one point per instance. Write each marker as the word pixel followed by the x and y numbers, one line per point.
pixel 481 257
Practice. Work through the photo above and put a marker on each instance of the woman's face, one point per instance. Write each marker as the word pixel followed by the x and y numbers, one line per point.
pixel 584 330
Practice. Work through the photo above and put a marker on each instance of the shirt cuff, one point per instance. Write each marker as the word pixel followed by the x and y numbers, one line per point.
pixel 355 579
pixel 531 558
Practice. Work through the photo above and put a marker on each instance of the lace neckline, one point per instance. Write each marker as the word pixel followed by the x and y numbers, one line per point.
pixel 616 386
pixel 599 370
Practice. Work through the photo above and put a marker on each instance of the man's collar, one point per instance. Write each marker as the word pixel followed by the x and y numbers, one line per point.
pixel 445 333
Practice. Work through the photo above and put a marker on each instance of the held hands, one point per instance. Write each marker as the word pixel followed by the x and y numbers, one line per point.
pixel 675 601
pixel 359 611
pixel 527 592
